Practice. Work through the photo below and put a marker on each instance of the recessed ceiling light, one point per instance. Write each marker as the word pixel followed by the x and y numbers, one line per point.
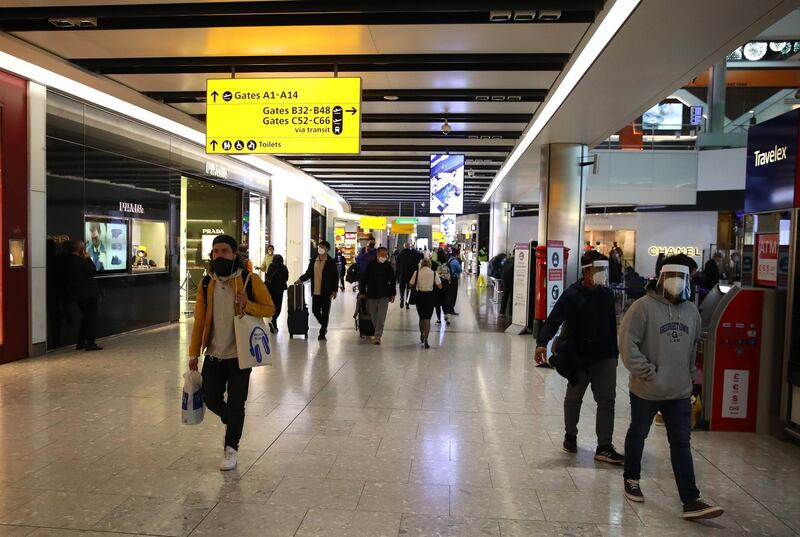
pixel 391 98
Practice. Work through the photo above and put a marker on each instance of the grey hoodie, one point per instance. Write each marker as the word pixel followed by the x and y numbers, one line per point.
pixel 657 344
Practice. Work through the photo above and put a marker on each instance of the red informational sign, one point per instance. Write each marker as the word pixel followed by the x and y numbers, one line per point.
pixel 767 259
pixel 737 362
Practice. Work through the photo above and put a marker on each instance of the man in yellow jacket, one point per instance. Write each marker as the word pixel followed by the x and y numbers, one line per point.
pixel 223 296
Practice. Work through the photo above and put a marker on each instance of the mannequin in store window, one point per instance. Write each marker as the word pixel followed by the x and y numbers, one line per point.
pixel 140 260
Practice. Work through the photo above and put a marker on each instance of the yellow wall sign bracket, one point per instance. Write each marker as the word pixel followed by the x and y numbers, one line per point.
pixel 283 115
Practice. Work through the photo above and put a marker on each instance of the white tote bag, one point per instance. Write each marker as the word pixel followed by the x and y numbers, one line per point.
pixel 252 341
pixel 192 408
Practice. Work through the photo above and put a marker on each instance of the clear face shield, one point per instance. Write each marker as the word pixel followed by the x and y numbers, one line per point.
pixel 599 272
pixel 674 282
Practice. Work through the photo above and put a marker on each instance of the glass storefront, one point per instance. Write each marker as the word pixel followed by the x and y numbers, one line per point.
pixel 146 202
pixel 207 209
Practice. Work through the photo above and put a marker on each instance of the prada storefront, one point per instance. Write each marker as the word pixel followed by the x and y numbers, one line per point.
pixel 117 185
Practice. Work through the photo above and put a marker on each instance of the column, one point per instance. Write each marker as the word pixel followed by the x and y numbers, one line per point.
pixel 716 98
pixel 562 205
pixel 499 214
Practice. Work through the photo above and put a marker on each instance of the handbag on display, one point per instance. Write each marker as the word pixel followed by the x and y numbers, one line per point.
pixel 252 340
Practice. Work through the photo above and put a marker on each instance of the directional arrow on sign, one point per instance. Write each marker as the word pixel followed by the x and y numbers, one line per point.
pixel 215 95
pixel 353 111
pixel 213 145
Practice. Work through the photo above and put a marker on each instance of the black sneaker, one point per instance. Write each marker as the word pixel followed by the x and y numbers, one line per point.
pixel 701 510
pixel 322 336
pixel 632 491
pixel 94 347
pixel 609 454
pixel 570 443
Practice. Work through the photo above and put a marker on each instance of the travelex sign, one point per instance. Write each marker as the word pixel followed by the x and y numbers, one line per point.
pixel 776 154
pixel 691 251
pixel 773 177
pixel 283 115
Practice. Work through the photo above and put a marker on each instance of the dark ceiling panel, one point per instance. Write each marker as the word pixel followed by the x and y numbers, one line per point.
pixel 493 95
pixel 316 63
pixel 482 135
pixel 283 13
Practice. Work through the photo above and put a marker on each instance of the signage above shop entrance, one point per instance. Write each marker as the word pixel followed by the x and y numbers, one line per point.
pixel 283 115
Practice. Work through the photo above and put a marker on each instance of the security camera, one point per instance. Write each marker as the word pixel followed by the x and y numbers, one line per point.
pixel 446 128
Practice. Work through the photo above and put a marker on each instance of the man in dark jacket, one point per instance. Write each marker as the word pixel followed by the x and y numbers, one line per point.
pixel 711 271
pixel 324 285
pixel 84 291
pixel 378 287
pixel 407 261
pixel 589 347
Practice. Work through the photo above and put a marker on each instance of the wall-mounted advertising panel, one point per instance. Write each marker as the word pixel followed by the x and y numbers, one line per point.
pixel 447 184
pixel 772 172
pixel 664 117
pixel 107 244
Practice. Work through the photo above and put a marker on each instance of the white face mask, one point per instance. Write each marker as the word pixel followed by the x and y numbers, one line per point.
pixel 381 260
pixel 322 251
pixel 600 278
pixel 675 286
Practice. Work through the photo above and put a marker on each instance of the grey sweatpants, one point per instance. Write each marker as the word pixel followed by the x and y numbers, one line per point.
pixel 378 308
pixel 602 375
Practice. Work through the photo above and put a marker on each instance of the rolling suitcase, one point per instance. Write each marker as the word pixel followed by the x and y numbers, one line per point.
pixel 364 320
pixel 297 313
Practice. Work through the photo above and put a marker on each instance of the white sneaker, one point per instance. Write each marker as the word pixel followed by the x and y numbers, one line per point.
pixel 228 460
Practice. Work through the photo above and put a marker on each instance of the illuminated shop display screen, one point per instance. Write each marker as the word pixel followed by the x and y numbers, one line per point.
pixel 107 244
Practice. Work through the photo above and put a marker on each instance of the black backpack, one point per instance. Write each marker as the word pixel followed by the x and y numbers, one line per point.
pixel 352 273
pixel 248 288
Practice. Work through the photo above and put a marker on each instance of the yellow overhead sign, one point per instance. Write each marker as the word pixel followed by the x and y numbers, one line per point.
pixel 283 115
pixel 438 236
pixel 373 222
pixel 402 229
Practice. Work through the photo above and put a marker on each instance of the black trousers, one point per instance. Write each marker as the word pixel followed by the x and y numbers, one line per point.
pixel 277 299
pixel 88 328
pixel 508 292
pixel 452 295
pixel 220 376
pixel 321 308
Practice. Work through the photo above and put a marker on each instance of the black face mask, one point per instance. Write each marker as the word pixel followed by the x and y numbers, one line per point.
pixel 224 267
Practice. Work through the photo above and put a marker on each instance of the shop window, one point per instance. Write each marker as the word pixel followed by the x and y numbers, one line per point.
pixel 148 245
pixel 107 244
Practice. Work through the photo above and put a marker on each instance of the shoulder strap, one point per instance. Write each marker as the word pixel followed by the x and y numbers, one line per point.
pixel 248 286
pixel 205 283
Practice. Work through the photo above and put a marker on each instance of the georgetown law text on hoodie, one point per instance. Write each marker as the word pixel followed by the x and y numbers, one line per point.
pixel 657 344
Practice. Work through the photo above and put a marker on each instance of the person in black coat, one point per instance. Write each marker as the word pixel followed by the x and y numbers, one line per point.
pixel 276 279
pixel 407 261
pixel 508 287
pixel 711 271
pixel 341 266
pixel 588 351
pixel 378 288
pixel 84 291
pixel 324 285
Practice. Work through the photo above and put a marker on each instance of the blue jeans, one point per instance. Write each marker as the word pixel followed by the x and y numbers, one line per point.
pixel 677 414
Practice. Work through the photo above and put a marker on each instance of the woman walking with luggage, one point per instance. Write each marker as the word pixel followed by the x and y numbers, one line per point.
pixel 423 281
pixel 276 278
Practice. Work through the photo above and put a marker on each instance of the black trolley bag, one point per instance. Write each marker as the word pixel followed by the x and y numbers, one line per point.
pixel 297 313
pixel 363 320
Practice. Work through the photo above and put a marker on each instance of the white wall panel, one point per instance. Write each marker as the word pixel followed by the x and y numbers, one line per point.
pixel 722 169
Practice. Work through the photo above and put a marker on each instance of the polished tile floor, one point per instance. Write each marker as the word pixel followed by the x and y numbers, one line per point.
pixel 347 439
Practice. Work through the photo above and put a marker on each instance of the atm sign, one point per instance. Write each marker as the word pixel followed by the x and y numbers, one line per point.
pixel 767 259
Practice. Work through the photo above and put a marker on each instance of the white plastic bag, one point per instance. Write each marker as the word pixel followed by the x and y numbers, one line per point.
pixel 192 408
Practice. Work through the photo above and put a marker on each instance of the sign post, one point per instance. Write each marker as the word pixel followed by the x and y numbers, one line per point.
pixel 521 296
pixel 283 115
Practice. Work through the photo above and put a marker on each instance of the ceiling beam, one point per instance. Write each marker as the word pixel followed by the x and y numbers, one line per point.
pixel 317 63
pixel 287 13
pixel 493 95
pixel 325 159
pixel 477 135
pixel 435 118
